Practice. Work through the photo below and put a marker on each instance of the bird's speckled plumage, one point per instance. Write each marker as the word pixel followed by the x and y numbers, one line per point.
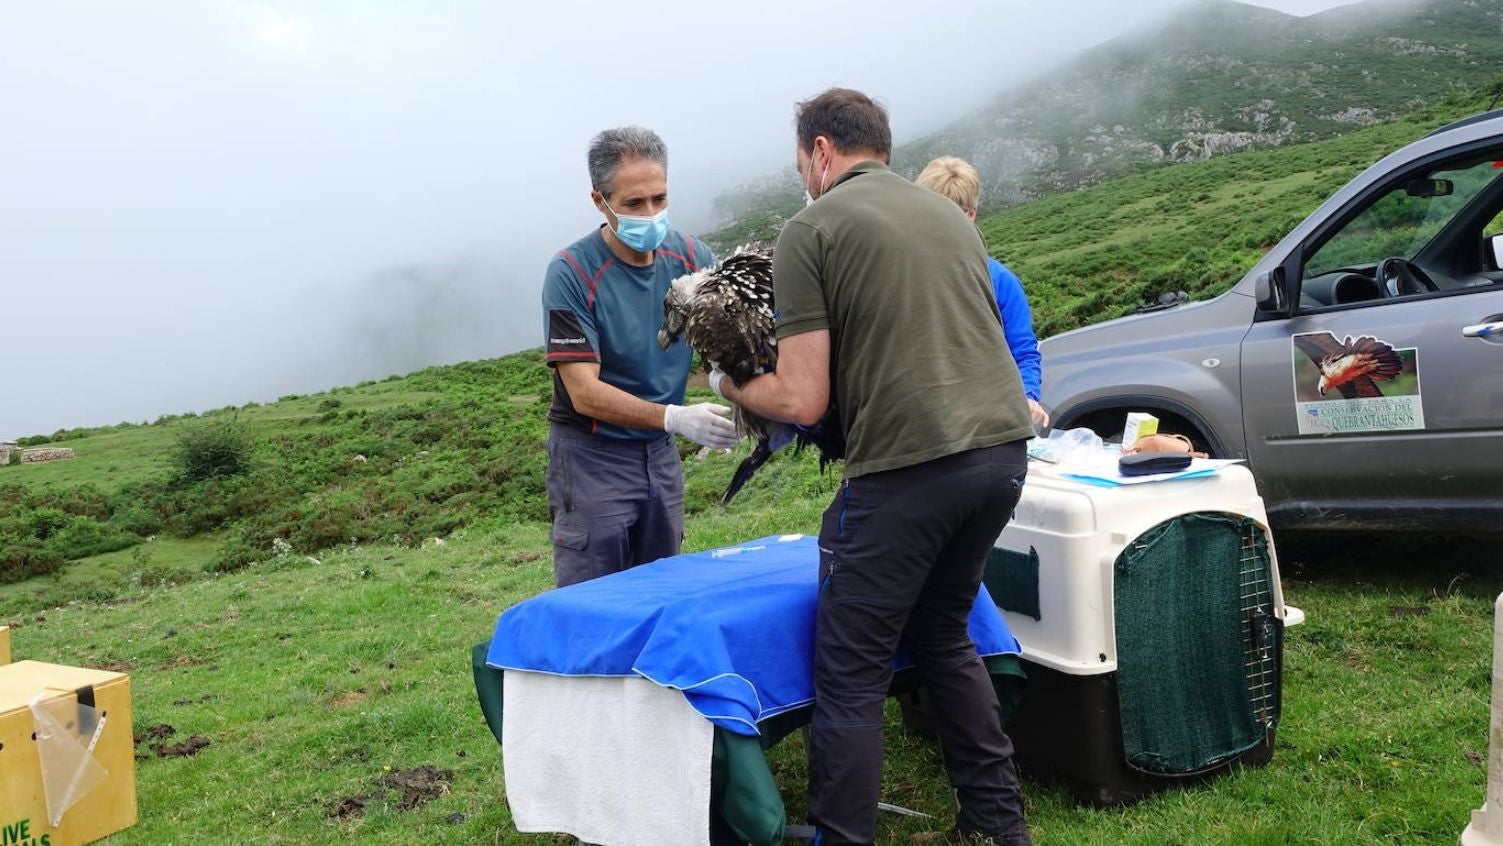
pixel 726 313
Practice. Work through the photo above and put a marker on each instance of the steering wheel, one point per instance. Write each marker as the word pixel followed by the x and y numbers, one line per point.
pixel 1408 277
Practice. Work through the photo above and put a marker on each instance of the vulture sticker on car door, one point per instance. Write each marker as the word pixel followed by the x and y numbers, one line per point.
pixel 1358 384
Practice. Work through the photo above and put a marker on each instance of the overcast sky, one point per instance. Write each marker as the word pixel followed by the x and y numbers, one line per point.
pixel 208 202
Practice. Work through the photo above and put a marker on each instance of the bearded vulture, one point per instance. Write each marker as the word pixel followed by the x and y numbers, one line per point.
pixel 1352 367
pixel 726 313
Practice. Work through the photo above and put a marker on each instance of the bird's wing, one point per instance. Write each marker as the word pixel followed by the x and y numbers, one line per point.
pixel 1379 360
pixel 1318 345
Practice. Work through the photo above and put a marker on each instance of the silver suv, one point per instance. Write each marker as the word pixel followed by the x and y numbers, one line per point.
pixel 1358 367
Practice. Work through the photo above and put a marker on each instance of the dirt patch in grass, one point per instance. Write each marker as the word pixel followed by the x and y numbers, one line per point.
pixel 348 698
pixel 419 785
pixel 159 731
pixel 350 807
pixel 413 788
pixel 178 662
pixel 187 749
pixel 207 697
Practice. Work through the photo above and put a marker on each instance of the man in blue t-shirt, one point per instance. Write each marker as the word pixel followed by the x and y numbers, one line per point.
pixel 956 179
pixel 615 484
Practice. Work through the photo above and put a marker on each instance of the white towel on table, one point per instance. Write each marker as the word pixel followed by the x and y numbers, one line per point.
pixel 612 761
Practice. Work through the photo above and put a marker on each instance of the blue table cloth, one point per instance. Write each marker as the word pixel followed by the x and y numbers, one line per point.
pixel 732 628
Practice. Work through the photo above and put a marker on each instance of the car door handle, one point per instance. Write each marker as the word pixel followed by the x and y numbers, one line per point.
pixel 1483 330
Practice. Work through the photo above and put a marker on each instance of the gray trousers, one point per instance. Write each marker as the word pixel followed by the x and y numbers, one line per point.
pixel 614 503
pixel 901 558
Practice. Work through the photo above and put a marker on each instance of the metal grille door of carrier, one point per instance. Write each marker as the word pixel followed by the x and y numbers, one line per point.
pixel 1199 646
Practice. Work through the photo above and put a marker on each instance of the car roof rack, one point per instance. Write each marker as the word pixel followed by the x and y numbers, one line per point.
pixel 1466 121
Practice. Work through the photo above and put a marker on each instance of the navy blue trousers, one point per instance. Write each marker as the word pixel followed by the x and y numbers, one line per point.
pixel 902 553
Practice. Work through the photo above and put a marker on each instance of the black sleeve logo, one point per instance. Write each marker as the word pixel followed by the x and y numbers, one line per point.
pixel 566 338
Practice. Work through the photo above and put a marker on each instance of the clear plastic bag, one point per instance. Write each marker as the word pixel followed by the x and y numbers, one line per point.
pixel 1068 446
pixel 67 732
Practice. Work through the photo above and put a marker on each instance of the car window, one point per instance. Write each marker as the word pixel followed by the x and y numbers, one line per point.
pixel 1494 226
pixel 1403 220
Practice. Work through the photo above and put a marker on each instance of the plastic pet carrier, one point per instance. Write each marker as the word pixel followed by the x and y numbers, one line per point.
pixel 1152 623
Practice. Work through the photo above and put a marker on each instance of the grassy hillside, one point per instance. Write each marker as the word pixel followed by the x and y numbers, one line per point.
pixel 314 680
pixel 398 462
pixel 1219 78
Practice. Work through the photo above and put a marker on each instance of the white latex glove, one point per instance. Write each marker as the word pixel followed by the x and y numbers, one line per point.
pixel 716 377
pixel 1037 412
pixel 704 423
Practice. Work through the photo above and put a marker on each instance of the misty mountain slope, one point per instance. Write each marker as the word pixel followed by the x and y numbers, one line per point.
pixel 1222 78
pixel 1100 252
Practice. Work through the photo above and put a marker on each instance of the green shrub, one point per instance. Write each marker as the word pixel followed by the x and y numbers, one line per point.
pixel 21 559
pixel 82 537
pixel 136 516
pixel 42 523
pixel 234 555
pixel 159 575
pixel 213 450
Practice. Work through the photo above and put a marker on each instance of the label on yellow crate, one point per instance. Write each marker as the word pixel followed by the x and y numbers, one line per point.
pixel 66 751
pixel 19 833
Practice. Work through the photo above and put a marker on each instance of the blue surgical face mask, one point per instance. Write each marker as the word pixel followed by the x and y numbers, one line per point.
pixel 643 234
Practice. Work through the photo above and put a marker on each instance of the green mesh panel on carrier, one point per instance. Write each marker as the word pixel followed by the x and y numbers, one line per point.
pixel 1198 645
pixel 1012 579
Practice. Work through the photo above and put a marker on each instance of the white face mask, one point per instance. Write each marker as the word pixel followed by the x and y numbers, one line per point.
pixel 809 172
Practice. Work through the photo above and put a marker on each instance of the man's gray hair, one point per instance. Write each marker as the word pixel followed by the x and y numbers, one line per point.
pixel 614 146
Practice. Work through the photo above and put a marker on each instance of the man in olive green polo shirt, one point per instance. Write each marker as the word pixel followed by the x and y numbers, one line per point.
pixel 887 282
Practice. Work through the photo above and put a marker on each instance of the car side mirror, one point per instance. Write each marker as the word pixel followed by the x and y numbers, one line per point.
pixel 1269 291
pixel 1495 249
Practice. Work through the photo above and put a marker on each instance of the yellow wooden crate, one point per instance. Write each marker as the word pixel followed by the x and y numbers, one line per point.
pixel 108 807
pixel 4 645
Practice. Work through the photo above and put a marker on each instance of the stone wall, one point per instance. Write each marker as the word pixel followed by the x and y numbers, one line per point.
pixel 37 455
pixel 6 451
